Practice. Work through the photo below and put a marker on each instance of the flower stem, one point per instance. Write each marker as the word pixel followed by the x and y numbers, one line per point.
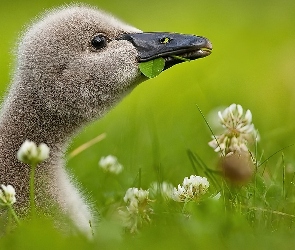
pixel 8 228
pixel 32 189
pixel 15 217
pixel 184 206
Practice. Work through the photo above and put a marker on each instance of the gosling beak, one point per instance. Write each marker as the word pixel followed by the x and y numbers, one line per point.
pixel 173 47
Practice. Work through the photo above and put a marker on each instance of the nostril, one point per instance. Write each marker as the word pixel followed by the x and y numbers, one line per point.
pixel 165 40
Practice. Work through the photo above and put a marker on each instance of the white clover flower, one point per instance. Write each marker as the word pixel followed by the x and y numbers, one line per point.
pixel 137 210
pixel 7 195
pixel 135 194
pixel 110 164
pixel 31 154
pixel 193 188
pixel 239 130
pixel 43 151
pixel 165 189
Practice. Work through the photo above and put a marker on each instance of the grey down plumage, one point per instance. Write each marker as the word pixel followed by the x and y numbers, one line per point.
pixel 60 83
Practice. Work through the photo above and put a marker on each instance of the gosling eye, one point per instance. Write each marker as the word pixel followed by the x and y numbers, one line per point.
pixel 99 42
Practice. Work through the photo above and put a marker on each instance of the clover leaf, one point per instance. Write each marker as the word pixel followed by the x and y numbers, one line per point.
pixel 152 68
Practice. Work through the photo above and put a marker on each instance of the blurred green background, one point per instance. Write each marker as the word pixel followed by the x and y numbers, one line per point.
pixel 252 64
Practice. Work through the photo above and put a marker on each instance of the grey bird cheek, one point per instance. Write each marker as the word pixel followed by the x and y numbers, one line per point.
pixel 126 48
pixel 131 54
pixel 123 58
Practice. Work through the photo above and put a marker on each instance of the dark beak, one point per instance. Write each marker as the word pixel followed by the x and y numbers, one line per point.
pixel 173 47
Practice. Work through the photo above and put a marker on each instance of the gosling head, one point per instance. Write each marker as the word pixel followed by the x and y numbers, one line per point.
pixel 73 65
pixel 78 61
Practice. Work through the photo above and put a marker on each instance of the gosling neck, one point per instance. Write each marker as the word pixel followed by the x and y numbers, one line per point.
pixel 24 117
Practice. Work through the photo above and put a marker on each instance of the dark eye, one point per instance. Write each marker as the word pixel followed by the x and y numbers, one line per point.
pixel 98 42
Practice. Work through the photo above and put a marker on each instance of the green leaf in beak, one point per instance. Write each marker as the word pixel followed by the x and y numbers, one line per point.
pixel 152 68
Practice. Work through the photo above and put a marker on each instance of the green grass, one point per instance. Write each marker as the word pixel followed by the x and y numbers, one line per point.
pixel 252 64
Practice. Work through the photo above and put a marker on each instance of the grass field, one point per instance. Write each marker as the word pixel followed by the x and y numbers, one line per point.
pixel 154 128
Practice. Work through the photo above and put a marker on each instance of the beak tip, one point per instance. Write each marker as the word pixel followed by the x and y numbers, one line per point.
pixel 209 45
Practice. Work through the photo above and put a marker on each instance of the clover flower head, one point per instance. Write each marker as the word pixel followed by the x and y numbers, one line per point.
pixel 192 189
pixel 43 152
pixel 7 195
pixel 30 153
pixel 239 130
pixel 110 164
pixel 165 189
pixel 137 210
pixel 134 197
